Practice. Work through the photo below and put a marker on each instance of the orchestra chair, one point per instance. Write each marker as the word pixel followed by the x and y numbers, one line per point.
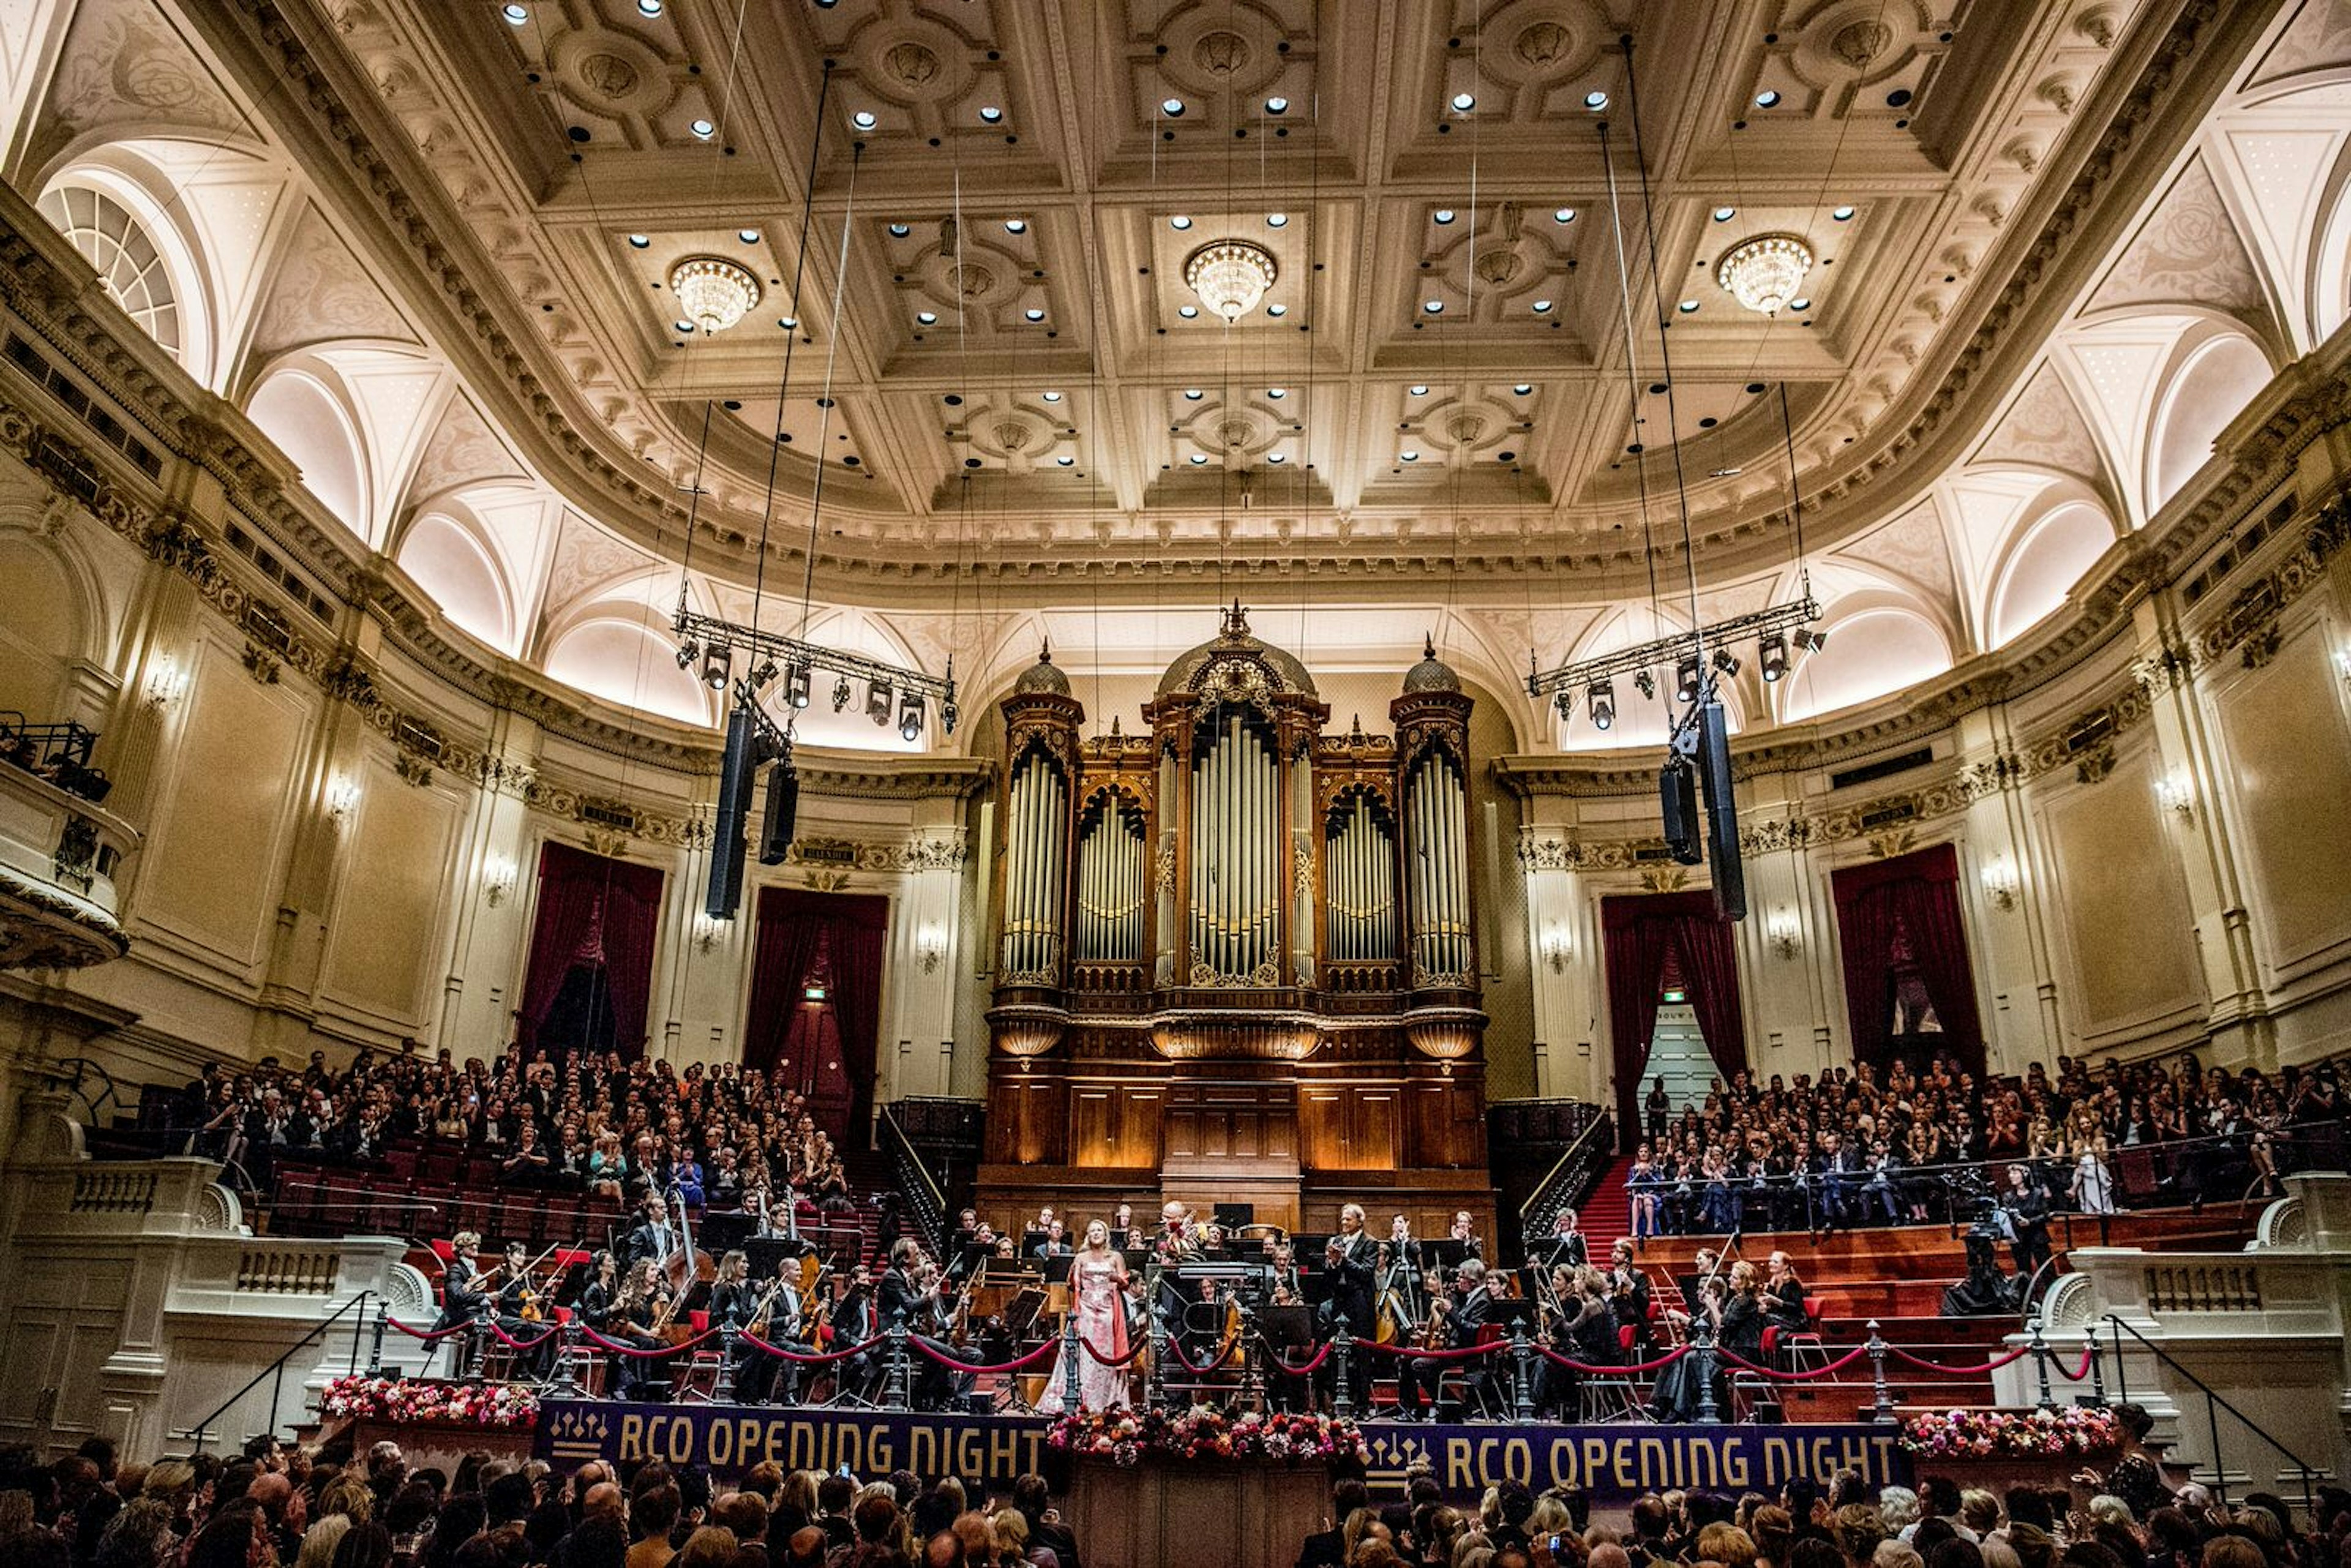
pixel 1471 1381
pixel 590 1364
pixel 1804 1348
pixel 696 1382
pixel 1611 1396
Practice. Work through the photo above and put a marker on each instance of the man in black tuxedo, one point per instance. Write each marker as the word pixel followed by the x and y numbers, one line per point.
pixel 904 1297
pixel 1351 1259
pixel 654 1238
pixel 1462 1320
pixel 463 1299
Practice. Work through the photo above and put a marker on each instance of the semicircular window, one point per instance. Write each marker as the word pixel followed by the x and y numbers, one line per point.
pixel 128 262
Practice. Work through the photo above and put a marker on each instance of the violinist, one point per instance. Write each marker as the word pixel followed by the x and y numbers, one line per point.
pixel 733 1300
pixel 643 1301
pixel 517 1311
pixel 909 1294
pixel 1628 1291
pixel 780 1317
pixel 600 1295
pixel 1456 1325
pixel 1782 1298
pixel 463 1299
pixel 1403 1298
pixel 1286 1292
pixel 850 1318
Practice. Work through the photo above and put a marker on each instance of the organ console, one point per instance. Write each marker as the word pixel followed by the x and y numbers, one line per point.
pixel 1237 954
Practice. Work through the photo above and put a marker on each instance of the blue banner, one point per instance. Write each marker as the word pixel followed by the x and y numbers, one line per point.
pixel 1613 1464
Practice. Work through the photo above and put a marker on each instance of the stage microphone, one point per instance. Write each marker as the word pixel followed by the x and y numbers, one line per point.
pixel 1721 811
pixel 1677 802
pixel 783 813
pixel 736 769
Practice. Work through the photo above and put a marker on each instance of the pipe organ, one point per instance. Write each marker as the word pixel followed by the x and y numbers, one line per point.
pixel 1238 959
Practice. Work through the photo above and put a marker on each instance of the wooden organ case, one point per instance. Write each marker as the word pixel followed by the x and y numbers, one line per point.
pixel 1236 958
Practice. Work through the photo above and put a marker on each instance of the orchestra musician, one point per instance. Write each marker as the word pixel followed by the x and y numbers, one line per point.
pixel 1782 1298
pixel 1565 1247
pixel 463 1299
pixel 1402 1293
pixel 908 1294
pixel 732 1299
pixel 1125 1234
pixel 1349 1258
pixel 653 1237
pixel 777 1317
pixel 1464 1230
pixel 851 1318
pixel 1284 1260
pixel 516 1305
pixel 1629 1291
pixel 1457 1322
pixel 643 1303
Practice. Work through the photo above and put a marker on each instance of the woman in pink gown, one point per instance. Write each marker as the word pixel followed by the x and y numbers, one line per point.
pixel 1098 1301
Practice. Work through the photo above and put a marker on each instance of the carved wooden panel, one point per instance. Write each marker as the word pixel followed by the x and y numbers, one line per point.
pixel 1349 1129
pixel 1114 1124
pixel 1243 1123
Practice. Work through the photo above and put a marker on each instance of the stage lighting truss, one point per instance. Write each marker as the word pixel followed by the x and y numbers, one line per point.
pixel 798 661
pixel 1685 651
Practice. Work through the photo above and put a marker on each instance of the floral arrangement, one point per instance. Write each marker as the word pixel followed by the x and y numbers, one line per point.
pixel 2010 1434
pixel 504 1405
pixel 1128 1437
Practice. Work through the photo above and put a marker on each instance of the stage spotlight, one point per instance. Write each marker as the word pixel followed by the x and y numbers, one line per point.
pixel 1686 680
pixel 877 702
pixel 910 716
pixel 948 712
pixel 841 693
pixel 1810 640
pixel 715 662
pixel 1726 661
pixel 762 674
pixel 1772 655
pixel 1565 702
pixel 1603 705
pixel 1645 682
pixel 796 687
pixel 688 652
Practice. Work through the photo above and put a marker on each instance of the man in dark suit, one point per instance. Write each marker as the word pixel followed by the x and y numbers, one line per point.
pixel 904 1297
pixel 1328 1548
pixel 1462 1320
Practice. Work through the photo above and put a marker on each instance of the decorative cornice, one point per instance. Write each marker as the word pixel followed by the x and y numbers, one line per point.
pixel 42 928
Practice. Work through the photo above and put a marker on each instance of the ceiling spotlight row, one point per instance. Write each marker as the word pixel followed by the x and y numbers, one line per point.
pixel 1771 662
pixel 718 662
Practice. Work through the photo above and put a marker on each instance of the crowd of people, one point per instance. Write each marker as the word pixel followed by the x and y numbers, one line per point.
pixel 2132 1519
pixel 1861 1147
pixel 332 1507
pixel 729 1136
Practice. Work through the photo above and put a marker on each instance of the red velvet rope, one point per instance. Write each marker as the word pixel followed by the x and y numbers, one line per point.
pixel 1848 1359
pixel 820 1359
pixel 1992 1366
pixel 513 1343
pixel 1107 1359
pixel 428 1334
pixel 1320 1356
pixel 1662 1362
pixel 1469 1353
pixel 1050 1348
pixel 629 1350
pixel 2081 1368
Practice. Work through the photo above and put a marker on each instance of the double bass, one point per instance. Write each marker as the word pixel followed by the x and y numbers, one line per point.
pixel 685 1267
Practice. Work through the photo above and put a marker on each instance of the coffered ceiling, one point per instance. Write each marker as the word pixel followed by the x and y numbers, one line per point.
pixel 1014 368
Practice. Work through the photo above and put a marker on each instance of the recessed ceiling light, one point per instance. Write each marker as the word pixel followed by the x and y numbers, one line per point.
pixel 1277 310
pixel 1179 222
pixel 1173 108
pixel 1191 395
pixel 639 242
pixel 1596 98
pixel 1724 214
pixel 1277 105
pixel 1562 214
pixel 1800 303
pixel 1444 214
pixel 1542 307
pixel 1417 391
pixel 1065 460
pixel 1434 306
pixel 1410 456
pixel 1277 392
pixel 1016 225
pixel 927 317
pixel 1687 306
pixel 900 231
pixel 1275 457
pixel 1523 388
pixel 682 325
pixel 864 119
pixel 748 236
pixel 1277 220
pixel 1200 457
pixel 788 323
pixel 1034 314
pixel 1187 311
pixel 990 113
pixel 1768 99
pixel 1052 397
pixel 649 7
pixel 1842 214
pixel 1463 102
pixel 703 128
pixel 515 14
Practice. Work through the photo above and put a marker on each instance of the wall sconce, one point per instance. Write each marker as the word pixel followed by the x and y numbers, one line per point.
pixel 708 932
pixel 497 879
pixel 342 797
pixel 166 682
pixel 2343 663
pixel 931 946
pixel 1555 949
pixel 1782 932
pixel 2175 792
pixel 1999 884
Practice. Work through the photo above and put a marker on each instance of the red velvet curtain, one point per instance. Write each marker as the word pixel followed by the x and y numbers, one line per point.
pixel 1915 896
pixel 849 928
pixel 1639 932
pixel 576 890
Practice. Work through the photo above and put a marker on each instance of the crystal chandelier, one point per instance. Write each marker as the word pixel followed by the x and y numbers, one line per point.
pixel 713 293
pixel 1764 273
pixel 1230 276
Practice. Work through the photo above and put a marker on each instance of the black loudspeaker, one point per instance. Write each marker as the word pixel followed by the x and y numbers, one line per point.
pixel 1233 1216
pixel 1721 811
pixel 1677 802
pixel 783 813
pixel 736 769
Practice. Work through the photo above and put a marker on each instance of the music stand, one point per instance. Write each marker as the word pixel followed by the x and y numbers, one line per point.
pixel 1057 1267
pixel 1231 1216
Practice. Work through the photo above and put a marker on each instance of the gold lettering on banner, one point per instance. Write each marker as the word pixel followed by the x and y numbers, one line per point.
pixel 1627 1465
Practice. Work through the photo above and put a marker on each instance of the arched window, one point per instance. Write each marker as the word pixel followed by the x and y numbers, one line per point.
pixel 128 262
